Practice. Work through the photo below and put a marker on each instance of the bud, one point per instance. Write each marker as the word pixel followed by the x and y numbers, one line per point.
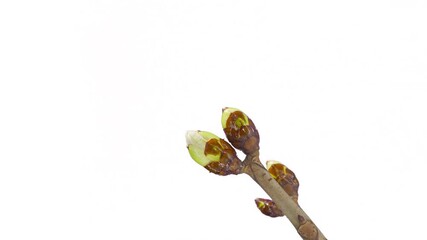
pixel 240 130
pixel 213 153
pixel 268 207
pixel 285 177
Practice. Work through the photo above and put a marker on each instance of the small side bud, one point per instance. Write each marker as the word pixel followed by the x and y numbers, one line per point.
pixel 285 177
pixel 268 207
pixel 213 153
pixel 240 130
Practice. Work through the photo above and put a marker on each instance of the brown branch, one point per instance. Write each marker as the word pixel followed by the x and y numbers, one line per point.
pixel 301 221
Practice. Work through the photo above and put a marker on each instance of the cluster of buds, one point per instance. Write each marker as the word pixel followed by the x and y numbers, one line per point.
pixel 219 157
pixel 287 180
pixel 216 154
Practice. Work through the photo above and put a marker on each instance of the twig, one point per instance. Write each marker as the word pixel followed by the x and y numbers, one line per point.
pixel 301 221
pixel 279 182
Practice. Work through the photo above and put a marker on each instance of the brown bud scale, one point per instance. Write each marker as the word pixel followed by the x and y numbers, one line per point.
pixel 286 178
pixel 268 207
pixel 241 136
pixel 228 162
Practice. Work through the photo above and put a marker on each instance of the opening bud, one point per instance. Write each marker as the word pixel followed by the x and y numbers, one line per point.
pixel 285 177
pixel 240 130
pixel 213 153
pixel 268 207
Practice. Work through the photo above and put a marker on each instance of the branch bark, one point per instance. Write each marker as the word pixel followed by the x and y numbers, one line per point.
pixel 299 219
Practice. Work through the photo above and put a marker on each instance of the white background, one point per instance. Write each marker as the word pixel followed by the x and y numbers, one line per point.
pixel 96 97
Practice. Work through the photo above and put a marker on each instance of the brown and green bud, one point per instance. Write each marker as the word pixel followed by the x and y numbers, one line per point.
pixel 213 153
pixel 268 207
pixel 240 130
pixel 285 177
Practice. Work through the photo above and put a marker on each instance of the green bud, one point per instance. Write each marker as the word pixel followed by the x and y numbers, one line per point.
pixel 213 153
pixel 285 177
pixel 268 207
pixel 240 130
